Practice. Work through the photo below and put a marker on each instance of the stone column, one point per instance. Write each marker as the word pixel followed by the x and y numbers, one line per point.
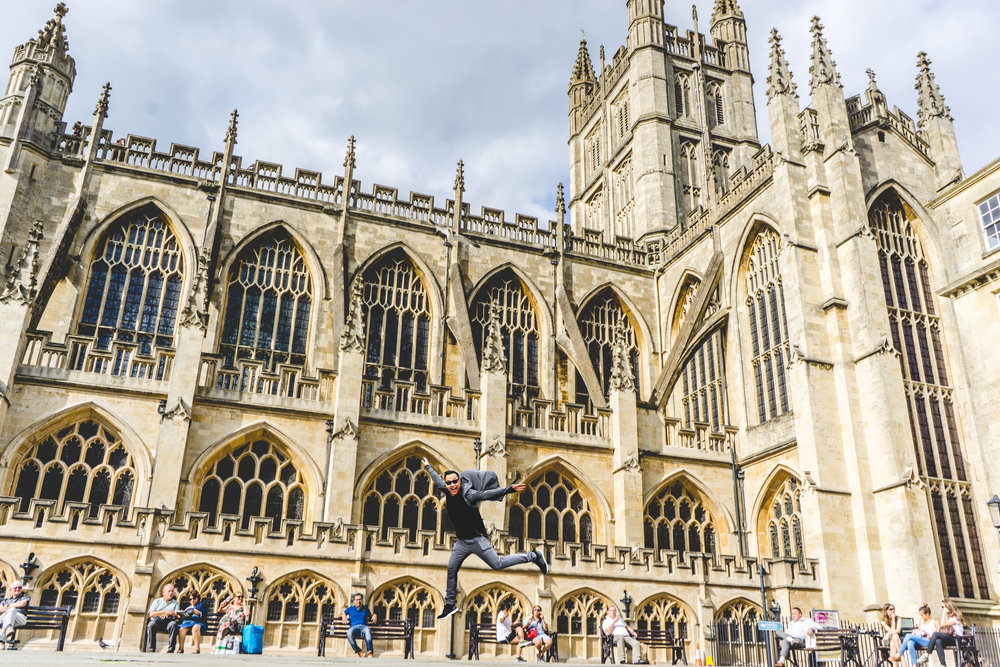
pixel 627 472
pixel 342 456
pixel 493 413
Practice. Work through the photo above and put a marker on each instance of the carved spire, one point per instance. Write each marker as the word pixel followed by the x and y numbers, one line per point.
pixel 494 356
pixel 823 68
pixel 560 201
pixel 195 312
pixel 349 160
pixel 53 33
pixel 102 102
pixel 21 280
pixel 460 177
pixel 621 366
pixel 352 338
pixel 725 9
pixel 930 101
pixel 583 69
pixel 779 77
pixel 234 119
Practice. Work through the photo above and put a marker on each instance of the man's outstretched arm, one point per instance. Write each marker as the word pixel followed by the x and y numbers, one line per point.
pixel 476 495
pixel 439 484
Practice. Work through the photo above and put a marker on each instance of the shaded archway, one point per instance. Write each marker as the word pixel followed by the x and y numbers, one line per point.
pixel 295 606
pixel 97 591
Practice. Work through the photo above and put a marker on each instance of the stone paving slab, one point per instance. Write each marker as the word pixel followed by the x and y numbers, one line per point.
pixel 135 659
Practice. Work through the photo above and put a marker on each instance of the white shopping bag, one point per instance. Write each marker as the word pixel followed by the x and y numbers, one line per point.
pixel 233 645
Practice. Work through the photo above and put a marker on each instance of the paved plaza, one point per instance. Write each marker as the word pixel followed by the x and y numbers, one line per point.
pixel 135 659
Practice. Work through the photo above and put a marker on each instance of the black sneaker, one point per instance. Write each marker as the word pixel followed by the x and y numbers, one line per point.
pixel 448 610
pixel 540 561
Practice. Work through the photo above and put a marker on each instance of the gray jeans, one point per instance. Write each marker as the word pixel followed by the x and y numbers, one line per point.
pixel 788 642
pixel 482 547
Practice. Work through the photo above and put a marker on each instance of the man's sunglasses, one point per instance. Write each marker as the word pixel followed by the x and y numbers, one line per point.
pixel 451 482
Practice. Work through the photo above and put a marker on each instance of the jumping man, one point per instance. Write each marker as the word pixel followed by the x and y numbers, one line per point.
pixel 464 493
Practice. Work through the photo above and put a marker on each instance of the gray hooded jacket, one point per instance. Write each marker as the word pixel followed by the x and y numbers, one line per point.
pixel 477 485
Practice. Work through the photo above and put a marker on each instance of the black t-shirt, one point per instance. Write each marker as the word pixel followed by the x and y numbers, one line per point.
pixel 467 520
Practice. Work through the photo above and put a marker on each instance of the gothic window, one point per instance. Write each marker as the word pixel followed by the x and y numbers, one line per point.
pixel 411 601
pixel 268 305
pixel 400 496
pixel 253 480
pixel 714 106
pixel 690 174
pixel 552 508
pixel 720 162
pixel 682 95
pixel 768 327
pixel 703 384
pixel 677 519
pixel 212 586
pixel 739 611
pixel 83 462
pixel 134 287
pixel 519 327
pixel 92 590
pixel 594 210
pixel 578 618
pixel 915 328
pixel 661 612
pixel 736 627
pixel 295 607
pixel 597 324
pixel 484 605
pixel 592 147
pixel 989 216
pixel 620 117
pixel 624 202
pixel 397 319
pixel 784 522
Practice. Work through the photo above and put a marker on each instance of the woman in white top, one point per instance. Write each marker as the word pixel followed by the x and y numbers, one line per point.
pixel 919 636
pixel 621 634
pixel 509 630
pixel 952 625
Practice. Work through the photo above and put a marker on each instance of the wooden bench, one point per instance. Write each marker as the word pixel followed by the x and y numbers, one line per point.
pixel 337 628
pixel 661 638
pixel 211 620
pixel 832 645
pixel 43 618
pixel 486 633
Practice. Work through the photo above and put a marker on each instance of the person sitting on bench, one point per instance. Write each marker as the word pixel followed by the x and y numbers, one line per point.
pixel 360 617
pixel 164 614
pixel 509 630
pixel 12 611
pixel 615 627
pixel 794 635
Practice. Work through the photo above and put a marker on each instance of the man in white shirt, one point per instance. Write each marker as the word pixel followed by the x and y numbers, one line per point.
pixel 795 634
pixel 621 634
pixel 164 616
pixel 12 611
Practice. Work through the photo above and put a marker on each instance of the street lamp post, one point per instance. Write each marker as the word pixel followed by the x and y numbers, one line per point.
pixel 29 565
pixel 994 505
pixel 254 579
pixel 626 604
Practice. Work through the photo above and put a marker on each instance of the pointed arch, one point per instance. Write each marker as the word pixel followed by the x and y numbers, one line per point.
pixel 646 340
pixel 662 610
pixel 779 524
pixel 645 345
pixel 294 607
pixel 739 610
pixel 597 319
pixel 412 599
pixel 561 503
pixel 211 583
pixel 414 447
pixel 98 591
pixel 258 470
pixel 309 254
pixel 83 453
pixel 423 269
pixel 482 604
pixel 717 508
pixel 774 479
pixel 578 617
pixel 684 292
pixel 7 575
pixel 925 226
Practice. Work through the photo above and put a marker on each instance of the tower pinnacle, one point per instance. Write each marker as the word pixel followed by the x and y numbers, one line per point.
pixel 583 69
pixel 53 33
pixel 725 9
pixel 930 101
pixel 779 77
pixel 823 68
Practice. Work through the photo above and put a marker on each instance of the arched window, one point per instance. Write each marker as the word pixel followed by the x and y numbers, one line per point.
pixel 254 480
pixel 397 319
pixel 400 496
pixel 768 327
pixel 915 328
pixel 661 612
pixel 409 600
pixel 94 592
pixel 519 326
pixel 623 199
pixel 737 632
pixel 84 462
pixel 675 518
pixel 703 384
pixel 682 95
pixel 551 508
pixel 268 304
pixel 484 607
pixel 597 324
pixel 296 605
pixel 720 162
pixel 690 174
pixel 578 621
pixel 213 586
pixel 714 106
pixel 784 522
pixel 134 287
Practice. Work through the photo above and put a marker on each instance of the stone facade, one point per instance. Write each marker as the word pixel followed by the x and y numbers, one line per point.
pixel 729 356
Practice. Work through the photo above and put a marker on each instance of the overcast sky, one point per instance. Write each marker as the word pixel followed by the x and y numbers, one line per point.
pixel 422 84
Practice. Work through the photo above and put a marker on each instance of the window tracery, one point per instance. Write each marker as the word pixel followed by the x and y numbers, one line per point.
pixel 268 305
pixel 661 612
pixel 213 586
pixel 519 328
pixel 82 462
pixel 784 522
pixel 597 324
pixel 92 590
pixel 682 95
pixel 713 100
pixel 720 162
pixel 296 606
pixel 690 174
pixel 397 319
pixel 552 508
pixel 253 480
pixel 768 327
pixel 677 519
pixel 401 496
pixel 409 600
pixel 703 384
pixel 484 605
pixel 578 618
pixel 134 287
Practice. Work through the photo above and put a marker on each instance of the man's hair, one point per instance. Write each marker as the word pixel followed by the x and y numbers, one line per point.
pixel 358 595
pixel 450 472
pixel 798 609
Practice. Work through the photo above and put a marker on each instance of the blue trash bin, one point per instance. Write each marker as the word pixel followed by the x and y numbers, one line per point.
pixel 253 639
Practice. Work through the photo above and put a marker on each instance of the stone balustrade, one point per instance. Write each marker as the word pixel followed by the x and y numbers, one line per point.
pixel 253 377
pixel 81 354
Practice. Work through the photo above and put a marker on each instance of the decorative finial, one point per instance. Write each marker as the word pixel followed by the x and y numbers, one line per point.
pixel 61 10
pixel 823 68
pixel 494 356
pixel 195 313
pixel 352 338
pixel 102 102
pixel 602 55
pixel 349 158
pixel 779 77
pixel 560 202
pixel 234 118
pixel 23 276
pixel 725 8
pixel 621 365
pixel 871 76
pixel 53 34
pixel 694 13
pixel 460 177
pixel 583 69
pixel 930 101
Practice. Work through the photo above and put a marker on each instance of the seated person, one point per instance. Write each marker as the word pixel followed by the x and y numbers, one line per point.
pixel 795 634
pixel 163 617
pixel 509 630
pixel 536 630
pixel 918 636
pixel 194 620
pixel 359 617
pixel 12 611
pixel 622 635
pixel 235 613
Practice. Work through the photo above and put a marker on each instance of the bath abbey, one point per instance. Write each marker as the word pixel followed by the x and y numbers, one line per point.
pixel 731 375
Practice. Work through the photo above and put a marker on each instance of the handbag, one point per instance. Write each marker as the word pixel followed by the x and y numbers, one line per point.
pixel 531 632
pixel 948 630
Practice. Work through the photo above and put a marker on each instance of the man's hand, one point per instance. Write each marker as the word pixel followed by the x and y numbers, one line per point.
pixel 424 462
pixel 374 617
pixel 518 487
